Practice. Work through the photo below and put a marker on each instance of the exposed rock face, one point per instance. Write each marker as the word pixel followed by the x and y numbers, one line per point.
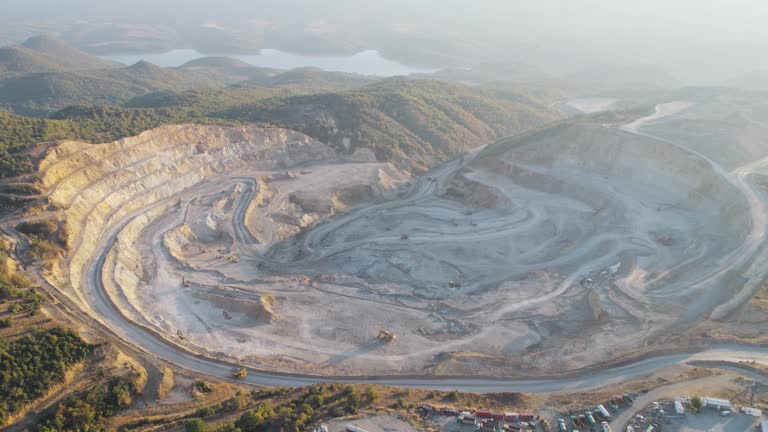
pixel 97 185
pixel 160 223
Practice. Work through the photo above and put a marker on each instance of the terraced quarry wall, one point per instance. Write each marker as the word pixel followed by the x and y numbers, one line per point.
pixel 578 245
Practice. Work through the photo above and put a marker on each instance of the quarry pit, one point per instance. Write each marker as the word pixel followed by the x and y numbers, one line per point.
pixel 578 245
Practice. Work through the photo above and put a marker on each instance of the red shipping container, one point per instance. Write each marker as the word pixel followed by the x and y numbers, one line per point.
pixel 483 414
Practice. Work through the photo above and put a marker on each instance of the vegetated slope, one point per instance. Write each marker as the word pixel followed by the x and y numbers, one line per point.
pixel 67 56
pixel 45 54
pixel 20 135
pixel 230 68
pixel 416 122
pixel 40 94
pixel 310 79
pixel 30 366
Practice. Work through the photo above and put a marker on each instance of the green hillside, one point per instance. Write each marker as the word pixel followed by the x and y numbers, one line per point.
pixel 422 121
pixel 414 123
pixel 44 54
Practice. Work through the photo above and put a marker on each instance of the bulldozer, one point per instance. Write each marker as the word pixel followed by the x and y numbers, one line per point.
pixel 385 335
pixel 240 374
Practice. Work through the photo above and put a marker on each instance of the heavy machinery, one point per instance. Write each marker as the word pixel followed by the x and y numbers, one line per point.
pixel 386 335
pixel 240 374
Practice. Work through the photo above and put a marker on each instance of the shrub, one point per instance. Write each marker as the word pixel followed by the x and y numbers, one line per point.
pixel 204 412
pixel 316 401
pixel 8 291
pixel 203 387
pixel 353 403
pixel 195 425
pixel 38 228
pixel 454 396
pixel 696 403
pixel 237 402
pixel 43 249
pixel 371 394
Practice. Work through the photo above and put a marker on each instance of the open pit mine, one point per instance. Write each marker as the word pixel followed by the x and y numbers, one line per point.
pixel 578 245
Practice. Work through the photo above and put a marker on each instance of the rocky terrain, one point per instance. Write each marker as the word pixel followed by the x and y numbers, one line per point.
pixel 543 253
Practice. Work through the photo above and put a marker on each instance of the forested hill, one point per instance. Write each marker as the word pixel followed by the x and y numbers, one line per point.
pixel 45 54
pixel 415 123
pixel 422 121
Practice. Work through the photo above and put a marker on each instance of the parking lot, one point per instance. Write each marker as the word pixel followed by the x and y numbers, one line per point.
pixel 712 421
pixel 590 418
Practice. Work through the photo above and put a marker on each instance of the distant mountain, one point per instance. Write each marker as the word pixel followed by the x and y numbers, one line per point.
pixel 313 79
pixel 45 54
pixel 622 78
pixel 67 56
pixel 16 60
pixel 233 69
pixel 42 93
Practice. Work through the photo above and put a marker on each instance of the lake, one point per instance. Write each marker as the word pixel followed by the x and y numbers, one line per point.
pixel 368 62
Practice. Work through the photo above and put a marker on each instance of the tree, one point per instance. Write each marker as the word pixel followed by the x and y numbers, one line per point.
pixel 696 403
pixel 195 425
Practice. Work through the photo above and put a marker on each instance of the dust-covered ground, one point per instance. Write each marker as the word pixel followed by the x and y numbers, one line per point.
pixel 542 254
pixel 711 421
pixel 377 423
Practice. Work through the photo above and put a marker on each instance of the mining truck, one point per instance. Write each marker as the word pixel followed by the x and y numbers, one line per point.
pixel 240 374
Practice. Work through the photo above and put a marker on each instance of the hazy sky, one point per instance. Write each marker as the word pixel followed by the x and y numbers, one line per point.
pixel 689 37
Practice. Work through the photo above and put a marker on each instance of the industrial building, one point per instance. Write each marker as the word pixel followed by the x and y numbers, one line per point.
pixel 679 408
pixel 716 403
